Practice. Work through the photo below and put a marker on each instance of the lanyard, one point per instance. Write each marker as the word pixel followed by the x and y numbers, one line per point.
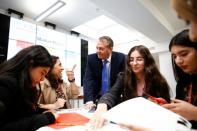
pixel 189 94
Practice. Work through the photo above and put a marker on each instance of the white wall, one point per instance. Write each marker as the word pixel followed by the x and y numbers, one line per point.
pixel 166 69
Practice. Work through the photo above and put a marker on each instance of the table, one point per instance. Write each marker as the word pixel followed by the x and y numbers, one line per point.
pixel 107 127
pixel 86 113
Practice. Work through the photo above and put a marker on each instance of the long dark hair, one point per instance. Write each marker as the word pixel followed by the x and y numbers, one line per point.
pixel 51 76
pixel 156 84
pixel 33 56
pixel 181 39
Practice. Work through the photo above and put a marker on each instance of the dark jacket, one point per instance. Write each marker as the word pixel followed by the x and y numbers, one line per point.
pixel 181 92
pixel 116 94
pixel 93 74
pixel 16 114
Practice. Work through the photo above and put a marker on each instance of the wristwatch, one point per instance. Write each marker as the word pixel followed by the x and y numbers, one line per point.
pixel 73 80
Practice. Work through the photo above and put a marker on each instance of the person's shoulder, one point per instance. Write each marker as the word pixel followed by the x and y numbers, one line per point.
pixel 8 80
pixel 45 83
pixel 118 54
pixel 92 55
pixel 8 77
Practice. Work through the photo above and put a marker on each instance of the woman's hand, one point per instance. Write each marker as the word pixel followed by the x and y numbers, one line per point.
pixel 59 103
pixel 70 73
pixel 90 105
pixel 183 108
pixel 97 121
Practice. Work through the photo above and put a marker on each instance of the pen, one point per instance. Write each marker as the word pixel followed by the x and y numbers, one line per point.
pixel 112 122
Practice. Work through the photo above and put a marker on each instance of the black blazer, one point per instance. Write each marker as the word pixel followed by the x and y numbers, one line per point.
pixel 16 114
pixel 93 74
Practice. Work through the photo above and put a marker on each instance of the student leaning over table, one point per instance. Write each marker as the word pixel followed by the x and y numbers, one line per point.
pixel 18 95
pixel 184 57
pixel 140 78
pixel 55 92
pixel 187 10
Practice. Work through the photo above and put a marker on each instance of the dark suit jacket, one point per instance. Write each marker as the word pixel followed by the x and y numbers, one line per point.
pixel 93 73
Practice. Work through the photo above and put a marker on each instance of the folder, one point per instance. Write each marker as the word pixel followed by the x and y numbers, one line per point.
pixel 69 119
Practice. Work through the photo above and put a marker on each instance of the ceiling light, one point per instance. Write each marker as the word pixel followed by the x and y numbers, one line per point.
pixel 57 5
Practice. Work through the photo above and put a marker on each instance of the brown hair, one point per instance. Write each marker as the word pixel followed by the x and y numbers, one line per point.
pixel 108 39
pixel 156 84
pixel 189 6
pixel 51 76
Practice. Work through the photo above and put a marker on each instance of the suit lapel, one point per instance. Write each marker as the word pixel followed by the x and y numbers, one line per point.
pixel 113 64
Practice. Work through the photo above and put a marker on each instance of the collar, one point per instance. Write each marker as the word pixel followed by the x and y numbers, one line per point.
pixel 46 81
pixel 108 59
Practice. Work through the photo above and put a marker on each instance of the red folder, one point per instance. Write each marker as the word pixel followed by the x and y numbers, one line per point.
pixel 69 119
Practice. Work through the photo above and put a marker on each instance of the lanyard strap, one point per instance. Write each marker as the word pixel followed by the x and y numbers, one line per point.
pixel 190 94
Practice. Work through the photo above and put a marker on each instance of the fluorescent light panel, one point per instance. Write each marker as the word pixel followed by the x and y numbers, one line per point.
pixel 57 5
pixel 122 36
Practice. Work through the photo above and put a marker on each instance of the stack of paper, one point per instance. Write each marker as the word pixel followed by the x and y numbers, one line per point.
pixel 142 112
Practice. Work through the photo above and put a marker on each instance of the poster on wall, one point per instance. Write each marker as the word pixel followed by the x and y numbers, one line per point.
pixel 15 46
pixel 22 34
pixel 22 30
pixel 54 42
pixel 50 38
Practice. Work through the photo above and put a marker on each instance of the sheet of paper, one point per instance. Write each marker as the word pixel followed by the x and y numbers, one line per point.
pixel 142 112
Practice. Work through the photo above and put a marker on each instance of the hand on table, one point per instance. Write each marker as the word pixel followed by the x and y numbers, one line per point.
pixel 59 103
pixel 97 121
pixel 90 105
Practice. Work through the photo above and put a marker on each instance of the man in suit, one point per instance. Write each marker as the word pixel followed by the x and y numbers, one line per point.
pixel 93 74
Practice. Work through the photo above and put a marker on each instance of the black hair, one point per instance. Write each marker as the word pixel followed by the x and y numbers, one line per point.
pixel 30 57
pixel 181 39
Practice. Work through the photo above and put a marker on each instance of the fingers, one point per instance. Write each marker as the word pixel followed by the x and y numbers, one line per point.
pixel 73 67
pixel 177 101
pixel 169 106
pixel 97 121
pixel 90 106
pixel 70 73
pixel 60 102
pixel 100 123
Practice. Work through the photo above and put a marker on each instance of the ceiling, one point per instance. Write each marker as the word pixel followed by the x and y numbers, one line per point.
pixel 153 18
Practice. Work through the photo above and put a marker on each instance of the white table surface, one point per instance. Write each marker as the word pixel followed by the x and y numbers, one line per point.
pixel 84 112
